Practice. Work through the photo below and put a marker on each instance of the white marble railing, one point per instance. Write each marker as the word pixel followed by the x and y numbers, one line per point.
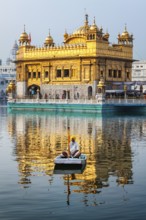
pixel 80 101
pixel 73 101
pixel 126 101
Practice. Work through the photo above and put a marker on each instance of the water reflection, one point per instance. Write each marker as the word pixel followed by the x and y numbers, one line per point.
pixel 40 137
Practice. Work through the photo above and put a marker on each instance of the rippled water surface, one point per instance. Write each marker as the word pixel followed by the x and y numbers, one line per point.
pixel 112 185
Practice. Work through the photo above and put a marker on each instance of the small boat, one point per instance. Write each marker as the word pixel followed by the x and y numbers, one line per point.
pixel 70 165
pixel 71 161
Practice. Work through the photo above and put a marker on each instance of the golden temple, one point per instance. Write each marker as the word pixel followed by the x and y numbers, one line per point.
pixel 73 69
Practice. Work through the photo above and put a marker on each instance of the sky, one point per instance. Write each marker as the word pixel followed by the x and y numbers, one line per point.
pixel 40 16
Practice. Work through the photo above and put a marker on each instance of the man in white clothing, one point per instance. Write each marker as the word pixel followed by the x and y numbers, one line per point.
pixel 74 149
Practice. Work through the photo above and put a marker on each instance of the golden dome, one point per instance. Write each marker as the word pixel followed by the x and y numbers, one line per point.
pixel 106 35
pixel 24 37
pixel 125 37
pixel 49 40
pixel 83 29
pixel 94 26
pixel 125 34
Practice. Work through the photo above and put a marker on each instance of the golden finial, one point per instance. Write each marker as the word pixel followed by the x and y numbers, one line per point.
pixel 86 18
pixel 24 27
pixel 94 21
pixel 49 32
pixel 125 27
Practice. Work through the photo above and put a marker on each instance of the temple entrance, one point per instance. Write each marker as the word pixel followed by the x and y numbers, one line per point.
pixel 32 90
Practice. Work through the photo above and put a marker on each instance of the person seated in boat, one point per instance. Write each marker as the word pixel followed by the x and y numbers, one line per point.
pixel 74 149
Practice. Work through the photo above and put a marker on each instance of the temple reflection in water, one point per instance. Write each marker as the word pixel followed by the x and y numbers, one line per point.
pixel 40 137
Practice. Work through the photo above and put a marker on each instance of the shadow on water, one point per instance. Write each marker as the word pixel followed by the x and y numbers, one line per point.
pixel 69 169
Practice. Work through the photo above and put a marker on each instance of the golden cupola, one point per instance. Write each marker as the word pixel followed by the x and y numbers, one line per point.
pixel 125 37
pixel 94 32
pixel 24 39
pixel 106 36
pixel 49 41
pixel 125 34
pixel 94 26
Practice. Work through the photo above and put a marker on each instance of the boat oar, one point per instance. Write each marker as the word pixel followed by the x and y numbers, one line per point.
pixel 68 142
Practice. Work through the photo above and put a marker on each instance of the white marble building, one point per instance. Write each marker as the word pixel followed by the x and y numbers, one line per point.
pixel 7 72
pixel 139 74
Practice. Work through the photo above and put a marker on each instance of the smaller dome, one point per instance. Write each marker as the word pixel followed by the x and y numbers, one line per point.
pixel 49 40
pixel 125 34
pixel 24 37
pixel 94 26
pixel 106 36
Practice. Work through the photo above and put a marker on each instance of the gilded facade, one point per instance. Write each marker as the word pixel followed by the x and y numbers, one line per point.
pixel 72 70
